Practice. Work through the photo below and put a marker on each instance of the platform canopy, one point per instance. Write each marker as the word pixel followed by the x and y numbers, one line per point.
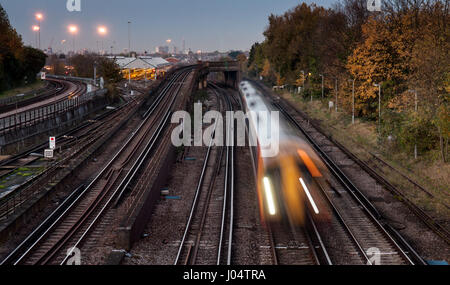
pixel 140 62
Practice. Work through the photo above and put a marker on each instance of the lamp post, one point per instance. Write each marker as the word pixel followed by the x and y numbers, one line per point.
pixel 303 79
pixel 321 75
pixel 379 101
pixel 309 74
pixel 95 73
pixel 353 101
pixel 39 18
pixel 336 91
pixel 73 30
pixel 36 29
pixel 102 31
pixel 129 37
pixel 415 109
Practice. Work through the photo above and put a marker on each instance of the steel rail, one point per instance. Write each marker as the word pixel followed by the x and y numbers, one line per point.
pixel 196 196
pixel 73 203
pixel 351 188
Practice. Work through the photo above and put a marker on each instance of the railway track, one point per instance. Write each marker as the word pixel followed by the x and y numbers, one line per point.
pixel 297 246
pixel 53 87
pixel 365 227
pixel 38 108
pixel 72 144
pixel 67 228
pixel 208 234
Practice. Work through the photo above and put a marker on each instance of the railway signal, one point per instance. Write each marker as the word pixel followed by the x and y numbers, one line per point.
pixel 52 142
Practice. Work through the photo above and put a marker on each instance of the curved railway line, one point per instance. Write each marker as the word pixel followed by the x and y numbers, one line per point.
pixel 53 87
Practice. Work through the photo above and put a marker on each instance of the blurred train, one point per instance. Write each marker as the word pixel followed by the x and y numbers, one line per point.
pixel 288 171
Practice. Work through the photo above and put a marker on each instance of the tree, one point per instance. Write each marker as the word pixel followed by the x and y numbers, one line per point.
pixel 18 64
pixel 109 70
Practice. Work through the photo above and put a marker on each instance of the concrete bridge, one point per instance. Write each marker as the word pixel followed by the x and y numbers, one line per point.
pixel 230 69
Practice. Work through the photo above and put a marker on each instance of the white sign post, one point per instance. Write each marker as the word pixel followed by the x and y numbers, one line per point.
pixel 43 75
pixel 52 142
pixel 330 105
pixel 48 153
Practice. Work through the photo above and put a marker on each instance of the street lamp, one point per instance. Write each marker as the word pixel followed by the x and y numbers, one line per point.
pixel 36 28
pixel 415 109
pixel 129 37
pixel 39 17
pixel 336 89
pixel 353 101
pixel 321 75
pixel 102 31
pixel 303 83
pixel 379 101
pixel 73 30
pixel 309 74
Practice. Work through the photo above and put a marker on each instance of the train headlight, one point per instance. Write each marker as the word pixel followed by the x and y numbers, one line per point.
pixel 316 210
pixel 269 196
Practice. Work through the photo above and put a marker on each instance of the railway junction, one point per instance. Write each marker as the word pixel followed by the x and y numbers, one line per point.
pixel 117 191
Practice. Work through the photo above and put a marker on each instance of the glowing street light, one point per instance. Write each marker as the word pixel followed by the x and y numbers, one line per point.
pixel 73 29
pixel 36 28
pixel 102 31
pixel 39 18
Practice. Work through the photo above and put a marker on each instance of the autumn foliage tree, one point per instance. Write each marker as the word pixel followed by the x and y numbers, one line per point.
pixel 404 47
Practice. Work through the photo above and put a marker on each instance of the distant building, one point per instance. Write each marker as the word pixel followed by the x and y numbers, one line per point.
pixel 162 49
pixel 173 60
pixel 141 67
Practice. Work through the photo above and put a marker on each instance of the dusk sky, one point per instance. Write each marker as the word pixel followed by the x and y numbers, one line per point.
pixel 204 24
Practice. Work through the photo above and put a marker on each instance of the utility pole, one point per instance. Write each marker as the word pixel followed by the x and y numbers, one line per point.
pixel 95 73
pixel 336 88
pixel 303 83
pixel 415 109
pixel 321 75
pixel 353 101
pixel 129 37
pixel 379 101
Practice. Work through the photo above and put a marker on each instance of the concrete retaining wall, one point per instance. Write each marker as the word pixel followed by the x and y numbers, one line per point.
pixel 15 140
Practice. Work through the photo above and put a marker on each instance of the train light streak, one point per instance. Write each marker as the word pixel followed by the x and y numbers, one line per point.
pixel 269 196
pixel 316 210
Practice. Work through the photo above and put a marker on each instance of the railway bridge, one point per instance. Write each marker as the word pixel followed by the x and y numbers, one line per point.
pixel 230 69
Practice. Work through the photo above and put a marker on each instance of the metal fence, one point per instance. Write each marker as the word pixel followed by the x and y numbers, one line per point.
pixel 70 78
pixel 45 112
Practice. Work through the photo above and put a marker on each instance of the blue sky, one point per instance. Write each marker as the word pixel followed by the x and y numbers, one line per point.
pixel 204 24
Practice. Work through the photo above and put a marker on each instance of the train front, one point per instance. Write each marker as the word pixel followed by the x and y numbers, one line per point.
pixel 291 178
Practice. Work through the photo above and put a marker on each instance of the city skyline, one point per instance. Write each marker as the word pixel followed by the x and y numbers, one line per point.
pixel 238 25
